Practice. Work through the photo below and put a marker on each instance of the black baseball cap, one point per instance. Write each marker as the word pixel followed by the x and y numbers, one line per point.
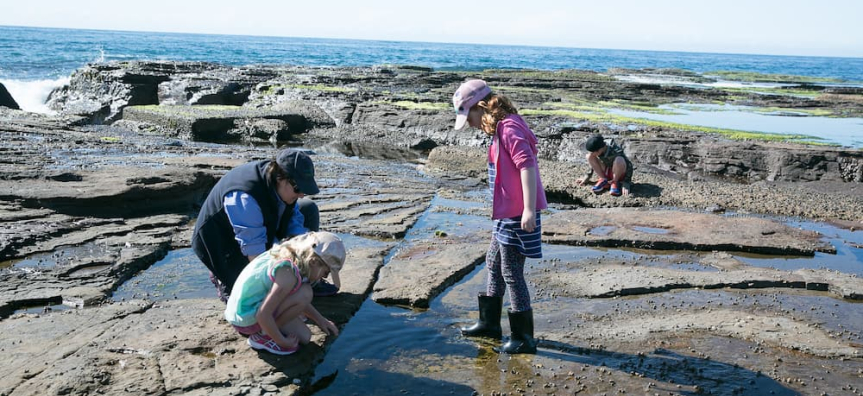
pixel 299 167
pixel 594 143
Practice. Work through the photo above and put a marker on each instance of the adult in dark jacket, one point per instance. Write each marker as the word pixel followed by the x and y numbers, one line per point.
pixel 252 207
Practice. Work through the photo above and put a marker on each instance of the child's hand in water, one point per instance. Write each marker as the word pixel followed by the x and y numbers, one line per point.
pixel 330 328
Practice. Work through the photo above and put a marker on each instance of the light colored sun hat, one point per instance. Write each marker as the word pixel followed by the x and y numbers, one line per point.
pixel 327 246
pixel 466 96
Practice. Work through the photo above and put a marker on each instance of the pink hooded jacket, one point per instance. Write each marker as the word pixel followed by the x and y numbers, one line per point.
pixel 513 148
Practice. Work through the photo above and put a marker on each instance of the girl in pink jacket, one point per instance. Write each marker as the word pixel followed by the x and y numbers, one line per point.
pixel 517 198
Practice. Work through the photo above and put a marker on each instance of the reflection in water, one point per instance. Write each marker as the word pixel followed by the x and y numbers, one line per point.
pixel 650 230
pixel 848 259
pixel 179 275
pixel 602 230
pixel 66 255
pixel 842 131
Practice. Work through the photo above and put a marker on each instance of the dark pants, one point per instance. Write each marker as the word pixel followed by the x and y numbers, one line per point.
pixel 506 272
pixel 311 215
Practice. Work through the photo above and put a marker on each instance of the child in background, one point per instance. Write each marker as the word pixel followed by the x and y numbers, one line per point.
pixel 610 163
pixel 517 198
pixel 273 292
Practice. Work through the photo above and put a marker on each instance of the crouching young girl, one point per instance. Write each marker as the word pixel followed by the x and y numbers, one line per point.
pixel 273 292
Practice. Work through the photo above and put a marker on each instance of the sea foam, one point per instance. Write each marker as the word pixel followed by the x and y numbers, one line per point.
pixel 32 95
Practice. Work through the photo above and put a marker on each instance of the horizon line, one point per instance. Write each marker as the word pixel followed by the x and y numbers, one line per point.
pixel 438 42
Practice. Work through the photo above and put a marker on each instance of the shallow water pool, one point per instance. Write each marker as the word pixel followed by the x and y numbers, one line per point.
pixel 841 131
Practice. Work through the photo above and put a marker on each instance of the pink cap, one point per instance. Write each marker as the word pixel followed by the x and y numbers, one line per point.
pixel 466 96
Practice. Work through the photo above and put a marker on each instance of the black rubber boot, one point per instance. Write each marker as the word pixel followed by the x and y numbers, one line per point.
pixel 522 341
pixel 488 324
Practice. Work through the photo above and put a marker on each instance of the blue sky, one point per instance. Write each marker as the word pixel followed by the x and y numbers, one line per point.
pixel 782 27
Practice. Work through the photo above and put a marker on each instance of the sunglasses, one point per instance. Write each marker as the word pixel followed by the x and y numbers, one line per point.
pixel 293 185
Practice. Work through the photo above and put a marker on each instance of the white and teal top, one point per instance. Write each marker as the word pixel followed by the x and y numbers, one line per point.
pixel 252 286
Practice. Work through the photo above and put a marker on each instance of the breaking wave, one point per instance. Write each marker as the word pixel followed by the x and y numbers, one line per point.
pixel 32 95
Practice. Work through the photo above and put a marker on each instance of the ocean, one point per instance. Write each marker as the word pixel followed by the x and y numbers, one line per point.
pixel 36 60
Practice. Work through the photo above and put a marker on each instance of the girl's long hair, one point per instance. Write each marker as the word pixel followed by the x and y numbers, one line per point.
pixel 303 260
pixel 495 108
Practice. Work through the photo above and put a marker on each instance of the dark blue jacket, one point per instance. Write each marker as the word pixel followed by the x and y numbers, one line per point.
pixel 213 240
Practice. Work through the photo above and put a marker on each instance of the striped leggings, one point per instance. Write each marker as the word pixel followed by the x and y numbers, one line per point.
pixel 506 272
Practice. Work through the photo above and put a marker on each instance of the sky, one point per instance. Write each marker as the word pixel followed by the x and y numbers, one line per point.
pixel 775 27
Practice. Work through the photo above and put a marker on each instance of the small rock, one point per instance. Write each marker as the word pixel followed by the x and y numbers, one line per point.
pixel 715 208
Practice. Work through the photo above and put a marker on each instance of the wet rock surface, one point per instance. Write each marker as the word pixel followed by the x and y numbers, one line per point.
pixel 224 123
pixel 421 270
pixel 606 280
pixel 674 230
pixel 87 207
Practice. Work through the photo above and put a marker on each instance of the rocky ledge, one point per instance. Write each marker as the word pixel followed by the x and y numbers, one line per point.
pixel 410 107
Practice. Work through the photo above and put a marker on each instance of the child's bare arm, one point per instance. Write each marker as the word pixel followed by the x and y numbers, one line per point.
pixel 285 282
pixel 528 189
pixel 584 180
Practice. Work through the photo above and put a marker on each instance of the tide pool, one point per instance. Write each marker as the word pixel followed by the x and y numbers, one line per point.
pixel 840 131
